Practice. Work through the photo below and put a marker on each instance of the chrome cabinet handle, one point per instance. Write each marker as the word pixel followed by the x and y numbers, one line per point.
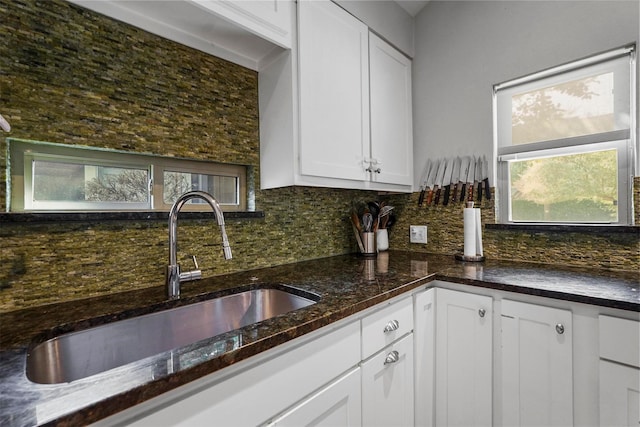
pixel 391 326
pixel 392 357
pixel 482 312
pixel 560 328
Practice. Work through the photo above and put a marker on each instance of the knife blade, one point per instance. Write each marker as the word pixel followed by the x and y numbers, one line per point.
pixel 464 172
pixel 431 180
pixel 470 176
pixel 478 178
pixel 485 175
pixel 423 182
pixel 452 171
pixel 439 181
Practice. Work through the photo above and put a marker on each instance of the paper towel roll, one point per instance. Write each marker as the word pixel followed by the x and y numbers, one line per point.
pixel 470 233
pixel 479 249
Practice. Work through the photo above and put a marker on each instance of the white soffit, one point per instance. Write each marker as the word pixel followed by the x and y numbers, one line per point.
pixel 187 24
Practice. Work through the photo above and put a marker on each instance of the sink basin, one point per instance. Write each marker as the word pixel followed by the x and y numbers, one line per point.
pixel 84 353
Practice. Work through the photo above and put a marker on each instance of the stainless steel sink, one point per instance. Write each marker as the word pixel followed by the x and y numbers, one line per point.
pixel 84 353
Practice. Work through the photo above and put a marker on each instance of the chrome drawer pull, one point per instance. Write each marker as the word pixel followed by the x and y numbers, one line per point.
pixel 560 328
pixel 482 312
pixel 391 326
pixel 392 357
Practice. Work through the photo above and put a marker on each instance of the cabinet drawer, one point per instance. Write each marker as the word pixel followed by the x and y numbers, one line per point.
pixel 383 327
pixel 387 386
pixel 620 340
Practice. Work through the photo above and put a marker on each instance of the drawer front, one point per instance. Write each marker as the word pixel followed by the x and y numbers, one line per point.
pixel 387 386
pixel 386 325
pixel 620 340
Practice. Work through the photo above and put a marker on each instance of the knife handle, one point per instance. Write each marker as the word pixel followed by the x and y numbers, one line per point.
pixel 429 196
pixel 470 195
pixel 480 185
pixel 437 198
pixel 447 192
pixel 454 193
pixel 421 198
pixel 463 191
pixel 487 189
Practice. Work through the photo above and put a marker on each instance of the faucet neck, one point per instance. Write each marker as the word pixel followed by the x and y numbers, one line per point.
pixel 173 275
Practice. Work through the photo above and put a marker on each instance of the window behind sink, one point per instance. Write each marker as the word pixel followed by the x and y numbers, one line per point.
pixel 59 177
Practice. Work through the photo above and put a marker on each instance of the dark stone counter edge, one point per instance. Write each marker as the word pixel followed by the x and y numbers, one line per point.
pixel 37 217
pixel 564 228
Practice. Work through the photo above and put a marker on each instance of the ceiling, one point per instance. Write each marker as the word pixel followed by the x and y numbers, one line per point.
pixel 412 6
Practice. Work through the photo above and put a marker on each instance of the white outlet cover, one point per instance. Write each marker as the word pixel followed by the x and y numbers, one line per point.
pixel 418 234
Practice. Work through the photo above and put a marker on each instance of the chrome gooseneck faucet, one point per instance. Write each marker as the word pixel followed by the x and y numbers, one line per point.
pixel 173 275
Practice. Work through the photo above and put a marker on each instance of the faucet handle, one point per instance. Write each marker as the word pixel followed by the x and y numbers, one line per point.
pixel 196 274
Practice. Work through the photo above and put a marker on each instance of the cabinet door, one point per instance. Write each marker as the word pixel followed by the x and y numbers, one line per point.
pixel 537 369
pixel 337 405
pixel 619 395
pixel 334 91
pixel 391 120
pixel 387 386
pixel 463 359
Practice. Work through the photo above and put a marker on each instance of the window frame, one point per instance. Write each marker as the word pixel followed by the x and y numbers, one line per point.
pixel 22 153
pixel 623 140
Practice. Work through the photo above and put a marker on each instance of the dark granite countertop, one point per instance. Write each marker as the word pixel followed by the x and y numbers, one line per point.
pixel 346 285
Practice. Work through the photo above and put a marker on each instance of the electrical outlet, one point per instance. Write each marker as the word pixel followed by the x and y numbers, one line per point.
pixel 418 234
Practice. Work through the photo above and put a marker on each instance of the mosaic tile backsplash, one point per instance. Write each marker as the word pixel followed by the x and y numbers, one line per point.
pixel 72 76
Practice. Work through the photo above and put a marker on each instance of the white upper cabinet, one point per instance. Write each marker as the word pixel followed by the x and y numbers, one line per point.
pixel 334 92
pixel 391 117
pixel 336 110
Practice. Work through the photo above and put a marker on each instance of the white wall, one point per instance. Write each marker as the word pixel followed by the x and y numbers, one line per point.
pixel 464 47
pixel 386 18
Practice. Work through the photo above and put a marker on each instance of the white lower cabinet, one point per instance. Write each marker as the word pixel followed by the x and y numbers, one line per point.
pixel 339 404
pixel 619 394
pixel 537 369
pixel 463 361
pixel 387 386
pixel 619 372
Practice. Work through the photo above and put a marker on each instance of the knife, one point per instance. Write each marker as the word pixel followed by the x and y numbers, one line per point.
pixel 423 181
pixel 439 181
pixel 478 177
pixel 453 169
pixel 464 172
pixel 470 177
pixel 433 170
pixel 485 175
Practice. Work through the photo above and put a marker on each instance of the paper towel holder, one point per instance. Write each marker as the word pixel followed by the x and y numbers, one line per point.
pixel 468 258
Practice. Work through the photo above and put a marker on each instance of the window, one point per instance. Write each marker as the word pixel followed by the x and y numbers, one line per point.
pixel 565 141
pixel 56 177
